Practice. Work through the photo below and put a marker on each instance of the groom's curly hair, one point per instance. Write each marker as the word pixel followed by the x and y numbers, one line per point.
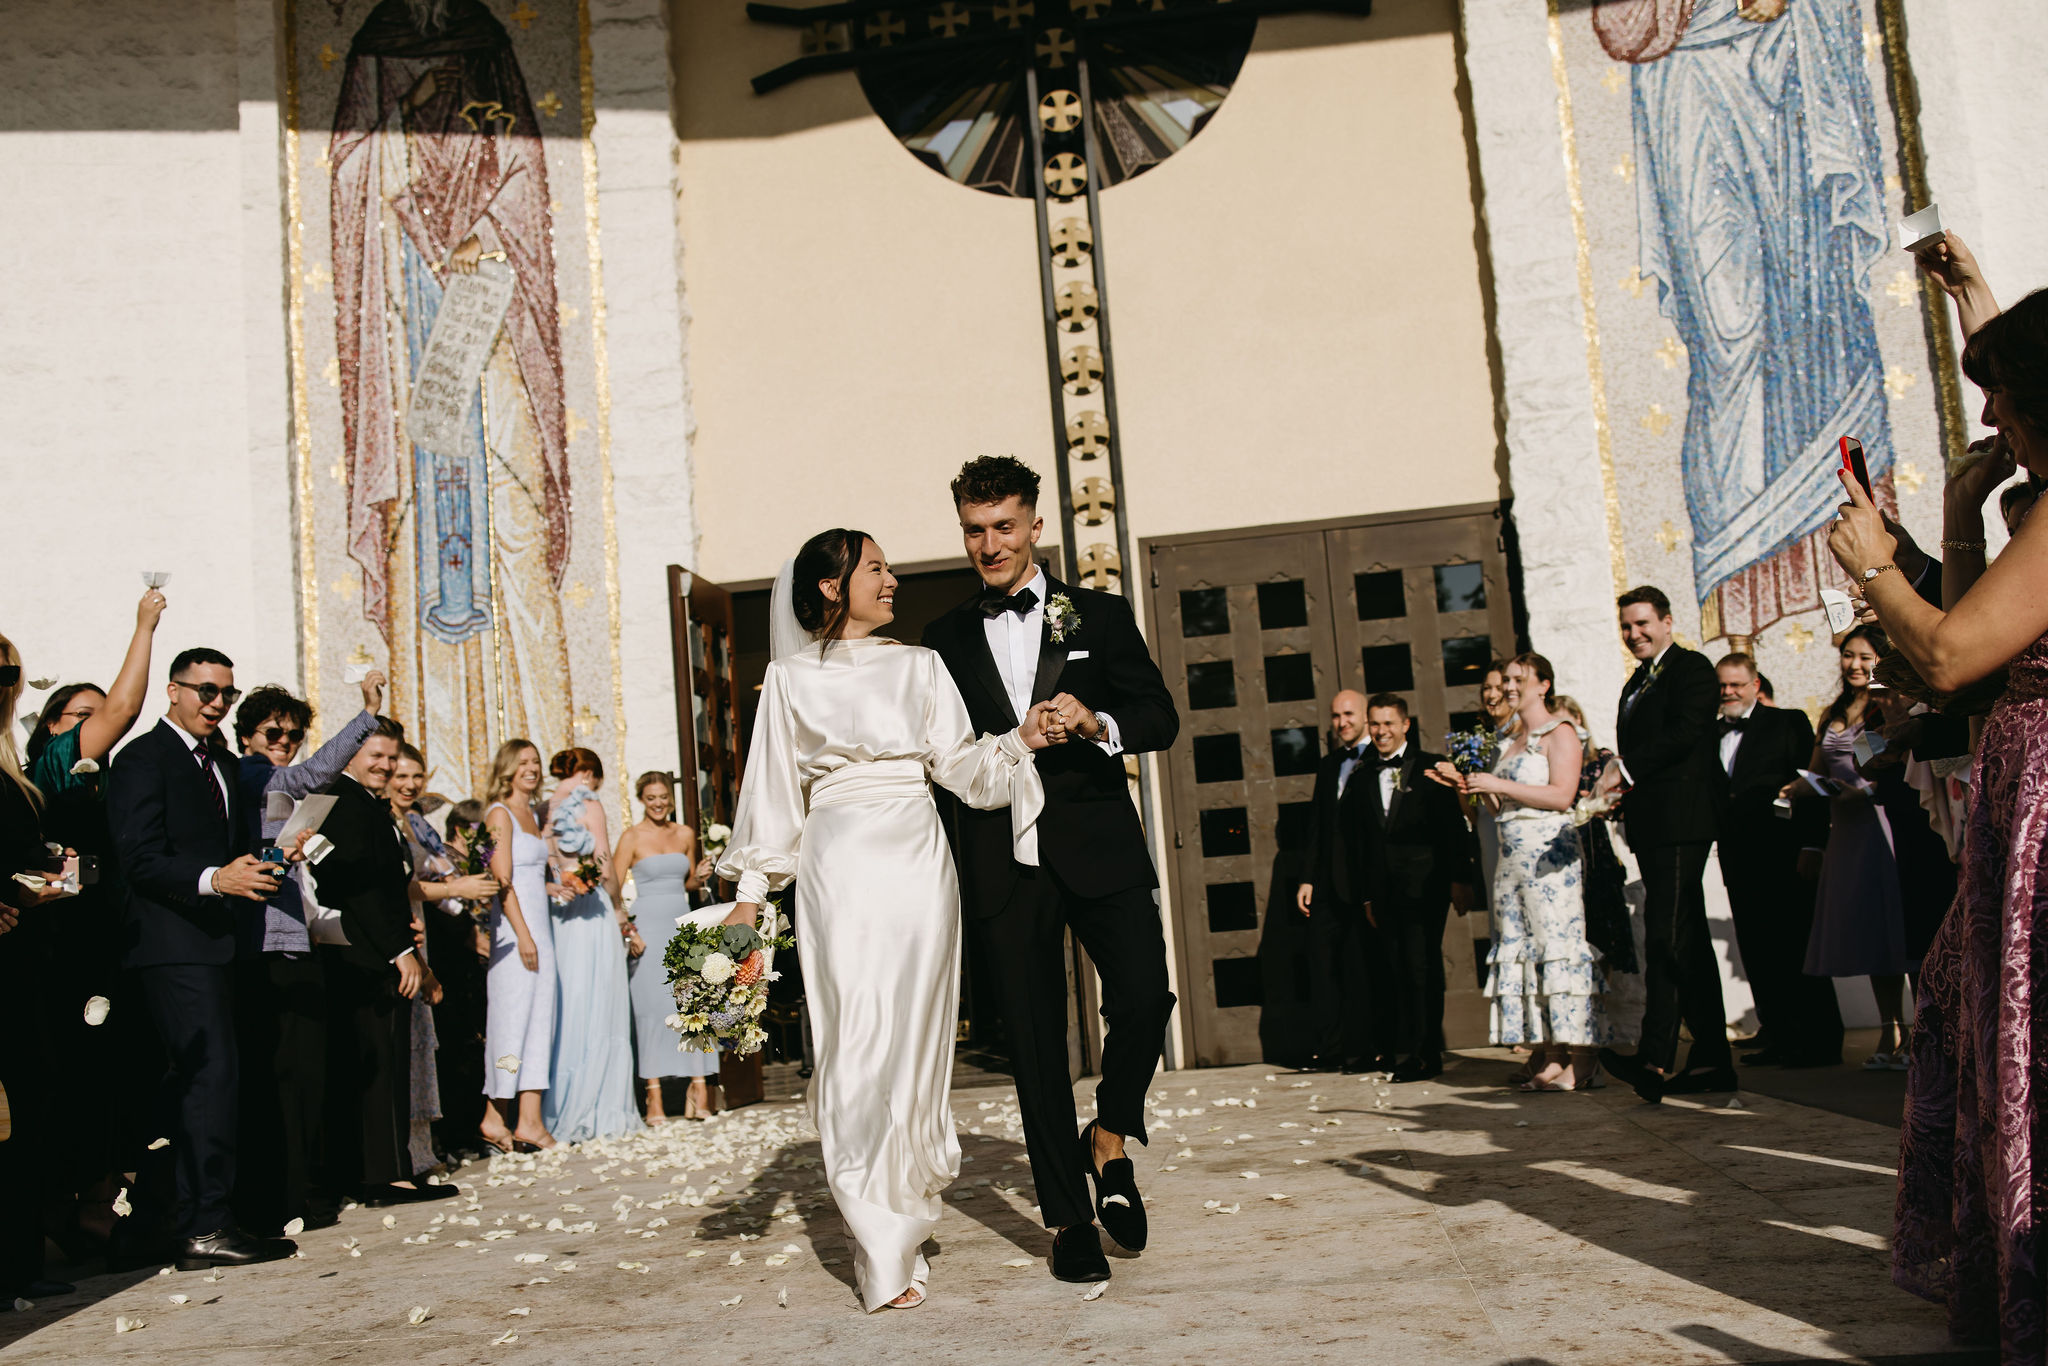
pixel 992 478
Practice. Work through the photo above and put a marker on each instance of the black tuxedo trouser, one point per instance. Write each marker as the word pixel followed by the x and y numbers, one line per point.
pixel 1412 933
pixel 1024 944
pixel 458 1027
pixel 26 1154
pixel 1773 910
pixel 1682 976
pixel 1351 986
pixel 193 1005
pixel 369 1074
pixel 281 1017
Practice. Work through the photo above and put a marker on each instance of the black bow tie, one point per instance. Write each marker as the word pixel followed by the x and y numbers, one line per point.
pixel 993 605
pixel 1736 723
pixel 1378 760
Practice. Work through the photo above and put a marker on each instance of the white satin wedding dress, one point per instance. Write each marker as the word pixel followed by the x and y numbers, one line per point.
pixel 838 796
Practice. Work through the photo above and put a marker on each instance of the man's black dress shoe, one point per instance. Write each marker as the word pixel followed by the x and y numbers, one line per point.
pixel 1702 1079
pixel 1077 1255
pixel 1353 1066
pixel 1755 1042
pixel 1117 1202
pixel 231 1247
pixel 1644 1079
pixel 378 1196
pixel 1419 1069
pixel 1764 1057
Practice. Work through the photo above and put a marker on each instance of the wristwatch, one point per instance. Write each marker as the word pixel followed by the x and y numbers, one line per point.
pixel 1875 570
pixel 1101 726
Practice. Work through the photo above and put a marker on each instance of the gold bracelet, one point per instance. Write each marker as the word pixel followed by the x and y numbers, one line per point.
pixel 1963 545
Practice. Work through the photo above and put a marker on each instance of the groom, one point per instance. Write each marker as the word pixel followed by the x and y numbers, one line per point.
pixel 1028 640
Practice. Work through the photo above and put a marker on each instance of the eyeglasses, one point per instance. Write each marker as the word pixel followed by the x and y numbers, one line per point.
pixel 272 734
pixel 209 693
pixel 10 674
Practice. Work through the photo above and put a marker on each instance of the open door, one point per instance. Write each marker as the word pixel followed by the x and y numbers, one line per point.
pixel 707 729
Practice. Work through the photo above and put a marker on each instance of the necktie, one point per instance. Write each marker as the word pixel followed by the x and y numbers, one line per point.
pixel 220 806
pixel 994 605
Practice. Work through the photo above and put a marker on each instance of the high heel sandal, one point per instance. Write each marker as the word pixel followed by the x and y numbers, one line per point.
pixel 691 1109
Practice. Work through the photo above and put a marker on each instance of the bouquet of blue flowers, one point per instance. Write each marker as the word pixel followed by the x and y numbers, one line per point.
pixel 1473 751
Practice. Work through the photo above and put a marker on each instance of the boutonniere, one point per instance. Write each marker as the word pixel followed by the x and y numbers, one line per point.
pixel 1061 617
pixel 1400 781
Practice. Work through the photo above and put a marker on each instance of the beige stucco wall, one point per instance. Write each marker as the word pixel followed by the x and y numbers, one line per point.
pixel 1295 300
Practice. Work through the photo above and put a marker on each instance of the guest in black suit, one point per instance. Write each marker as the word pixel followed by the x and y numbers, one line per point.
pixel 1344 953
pixel 1769 893
pixel 1418 860
pixel 371 980
pixel 1667 757
pixel 184 848
pixel 1029 641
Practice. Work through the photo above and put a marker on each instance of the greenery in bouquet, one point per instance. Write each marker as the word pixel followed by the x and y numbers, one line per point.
pixel 1473 751
pixel 589 871
pixel 475 861
pixel 719 975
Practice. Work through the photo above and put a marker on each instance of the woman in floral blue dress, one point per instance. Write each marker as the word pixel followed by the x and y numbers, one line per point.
pixel 1544 979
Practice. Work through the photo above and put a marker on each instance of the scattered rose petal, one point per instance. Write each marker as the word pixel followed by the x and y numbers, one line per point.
pixel 22 1306
pixel 733 1301
pixel 734 1260
pixel 1094 1292
pixel 96 1008
pixel 777 1259
pixel 520 1312
pixel 530 1258
pixel 121 1206
pixel 782 1297
pixel 160 1143
pixel 1249 1176
pixel 86 766
pixel 180 1299
pixel 509 1063
pixel 694 1252
pixel 1020 1262
pixel 629 1266
pixel 504 1338
pixel 418 1315
pixel 295 1228
pixel 1169 1169
pixel 391 1221
pixel 1520 1124
pixel 1116 1200
pixel 124 1324
pixel 1276 1195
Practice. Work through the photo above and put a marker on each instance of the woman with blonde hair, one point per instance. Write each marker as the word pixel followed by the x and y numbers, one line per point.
pixel 520 982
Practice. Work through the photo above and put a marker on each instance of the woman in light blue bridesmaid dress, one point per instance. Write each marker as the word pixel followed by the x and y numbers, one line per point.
pixel 661 857
pixel 592 1094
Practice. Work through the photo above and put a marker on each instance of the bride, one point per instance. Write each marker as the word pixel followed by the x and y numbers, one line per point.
pixel 852 731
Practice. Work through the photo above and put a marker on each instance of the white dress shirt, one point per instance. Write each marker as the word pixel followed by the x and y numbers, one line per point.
pixel 220 780
pixel 1731 741
pixel 1013 639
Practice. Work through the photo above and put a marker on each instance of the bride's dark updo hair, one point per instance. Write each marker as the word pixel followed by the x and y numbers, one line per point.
pixel 833 554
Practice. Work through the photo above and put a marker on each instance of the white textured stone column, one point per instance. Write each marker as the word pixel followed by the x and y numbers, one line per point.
pixel 1541 321
pixel 645 339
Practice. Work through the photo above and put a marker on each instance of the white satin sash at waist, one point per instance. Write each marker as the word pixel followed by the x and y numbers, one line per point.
pixel 876 780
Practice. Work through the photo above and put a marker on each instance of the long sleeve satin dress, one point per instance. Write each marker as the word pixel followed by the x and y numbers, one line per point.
pixel 838 798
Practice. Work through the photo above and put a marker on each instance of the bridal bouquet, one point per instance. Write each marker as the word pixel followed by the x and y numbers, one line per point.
pixel 720 975
pixel 589 872
pixel 475 861
pixel 715 838
pixel 1473 751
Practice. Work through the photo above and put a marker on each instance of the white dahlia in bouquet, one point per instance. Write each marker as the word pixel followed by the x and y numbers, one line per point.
pixel 719 975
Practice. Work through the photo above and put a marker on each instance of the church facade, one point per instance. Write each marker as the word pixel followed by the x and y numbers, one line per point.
pixel 509 346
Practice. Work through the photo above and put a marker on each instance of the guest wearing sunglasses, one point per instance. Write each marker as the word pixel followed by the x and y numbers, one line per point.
pixel 186 851
pixel 280 990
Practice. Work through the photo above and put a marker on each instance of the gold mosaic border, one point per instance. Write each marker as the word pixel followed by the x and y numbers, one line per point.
pixel 1596 373
pixel 302 427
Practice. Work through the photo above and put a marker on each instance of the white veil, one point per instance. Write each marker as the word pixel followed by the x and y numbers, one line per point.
pixel 786 634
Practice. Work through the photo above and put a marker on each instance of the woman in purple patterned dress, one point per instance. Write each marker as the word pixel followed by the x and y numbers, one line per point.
pixel 1972 1175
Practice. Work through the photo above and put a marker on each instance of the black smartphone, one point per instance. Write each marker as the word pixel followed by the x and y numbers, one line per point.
pixel 88 870
pixel 1852 461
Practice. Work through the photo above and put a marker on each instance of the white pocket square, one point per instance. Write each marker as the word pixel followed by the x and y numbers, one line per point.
pixel 1073 655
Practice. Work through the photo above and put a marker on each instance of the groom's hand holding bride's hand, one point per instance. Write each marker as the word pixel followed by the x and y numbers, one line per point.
pixel 1042 727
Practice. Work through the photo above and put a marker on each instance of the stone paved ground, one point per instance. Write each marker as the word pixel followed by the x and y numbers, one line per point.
pixel 1295 1218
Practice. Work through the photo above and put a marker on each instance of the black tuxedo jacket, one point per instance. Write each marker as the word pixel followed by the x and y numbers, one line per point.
pixel 1776 744
pixel 1337 831
pixel 1089 833
pixel 166 832
pixel 367 875
pixel 1419 844
pixel 1668 743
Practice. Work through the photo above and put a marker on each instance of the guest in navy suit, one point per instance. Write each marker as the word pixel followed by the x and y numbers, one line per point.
pixel 184 848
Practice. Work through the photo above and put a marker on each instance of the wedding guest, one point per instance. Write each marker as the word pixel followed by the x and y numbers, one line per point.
pixel 280 988
pixel 373 980
pixel 35 1117
pixel 660 855
pixel 1667 762
pixel 1967 1232
pixel 1769 863
pixel 1927 873
pixel 1500 715
pixel 1609 926
pixel 447 1032
pixel 1859 924
pixel 1544 979
pixel 102 1074
pixel 592 1095
pixel 1418 860
pixel 185 847
pixel 1344 960
pixel 520 1011
pixel 1766 695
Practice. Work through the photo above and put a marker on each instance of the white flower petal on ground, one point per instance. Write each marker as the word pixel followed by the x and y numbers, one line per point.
pixel 1116 1200
pixel 630 1266
pixel 1275 1195
pixel 733 1301
pixel 295 1228
pixel 776 1259
pixel 520 1312
pixel 22 1306
pixel 1249 1176
pixel 531 1258
pixel 1169 1169
pixel 509 1063
pixel 121 1206
pixel 694 1252
pixel 1094 1292
pixel 391 1221
pixel 124 1324
pixel 782 1297
pixel 180 1299
pixel 96 1008
pixel 160 1143
pixel 418 1315
pixel 734 1260
pixel 505 1338
pixel 1020 1262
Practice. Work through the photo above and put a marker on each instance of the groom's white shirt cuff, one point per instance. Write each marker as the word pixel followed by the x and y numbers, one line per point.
pixel 1109 742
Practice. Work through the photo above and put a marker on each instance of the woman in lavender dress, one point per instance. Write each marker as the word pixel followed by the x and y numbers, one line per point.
pixel 1971 1172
